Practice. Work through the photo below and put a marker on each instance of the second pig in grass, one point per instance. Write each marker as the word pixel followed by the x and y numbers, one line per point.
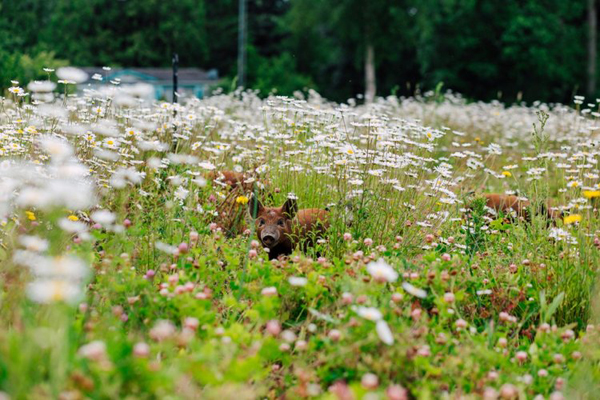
pixel 508 204
pixel 281 229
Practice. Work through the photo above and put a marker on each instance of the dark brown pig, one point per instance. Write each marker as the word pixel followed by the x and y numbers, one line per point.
pixel 281 229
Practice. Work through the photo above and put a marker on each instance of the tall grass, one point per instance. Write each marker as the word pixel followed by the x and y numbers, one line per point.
pixel 172 306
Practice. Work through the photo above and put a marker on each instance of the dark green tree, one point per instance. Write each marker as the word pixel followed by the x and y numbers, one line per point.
pixel 128 33
pixel 350 45
pixel 484 48
pixel 508 49
pixel 221 35
pixel 21 57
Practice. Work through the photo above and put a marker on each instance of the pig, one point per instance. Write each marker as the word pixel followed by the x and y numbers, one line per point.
pixel 232 218
pixel 232 179
pixel 508 203
pixel 281 229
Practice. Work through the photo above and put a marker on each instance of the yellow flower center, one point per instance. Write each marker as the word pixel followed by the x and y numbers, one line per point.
pixel 58 291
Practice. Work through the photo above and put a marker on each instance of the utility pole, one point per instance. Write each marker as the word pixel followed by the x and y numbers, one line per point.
pixel 242 44
pixel 175 66
pixel 592 48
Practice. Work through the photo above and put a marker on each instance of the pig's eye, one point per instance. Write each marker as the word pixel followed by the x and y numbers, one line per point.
pixel 261 222
pixel 280 222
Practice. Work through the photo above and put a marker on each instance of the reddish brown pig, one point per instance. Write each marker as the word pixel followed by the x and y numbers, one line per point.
pixel 232 179
pixel 508 203
pixel 281 229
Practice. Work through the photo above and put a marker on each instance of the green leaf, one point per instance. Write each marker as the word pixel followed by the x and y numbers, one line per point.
pixel 554 306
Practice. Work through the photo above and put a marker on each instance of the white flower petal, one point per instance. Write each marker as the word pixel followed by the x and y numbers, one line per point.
pixel 384 332
pixel 410 289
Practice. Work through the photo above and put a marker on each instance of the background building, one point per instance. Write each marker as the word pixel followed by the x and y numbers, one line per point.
pixel 191 81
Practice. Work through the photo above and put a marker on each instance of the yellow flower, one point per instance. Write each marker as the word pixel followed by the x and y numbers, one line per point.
pixel 506 174
pixel 73 217
pixel 30 215
pixel 591 193
pixel 570 219
pixel 242 200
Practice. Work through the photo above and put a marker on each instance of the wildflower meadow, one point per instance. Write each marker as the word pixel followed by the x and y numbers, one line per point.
pixel 130 268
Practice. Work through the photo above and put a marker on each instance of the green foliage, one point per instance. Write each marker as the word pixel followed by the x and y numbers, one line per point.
pixel 510 50
pixel 25 68
pixel 474 235
pixel 329 40
pixel 469 302
pixel 21 57
pixel 482 48
pixel 128 33
pixel 278 74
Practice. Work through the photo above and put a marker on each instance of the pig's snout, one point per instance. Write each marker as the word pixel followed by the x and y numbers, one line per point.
pixel 270 237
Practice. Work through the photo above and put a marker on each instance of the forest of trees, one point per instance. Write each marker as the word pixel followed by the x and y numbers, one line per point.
pixel 486 49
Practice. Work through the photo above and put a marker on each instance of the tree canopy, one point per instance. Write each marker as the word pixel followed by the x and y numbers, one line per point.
pixel 485 49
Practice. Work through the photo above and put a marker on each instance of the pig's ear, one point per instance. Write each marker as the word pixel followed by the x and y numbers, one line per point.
pixel 255 207
pixel 290 208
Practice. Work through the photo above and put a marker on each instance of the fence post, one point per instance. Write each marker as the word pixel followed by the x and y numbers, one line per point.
pixel 175 66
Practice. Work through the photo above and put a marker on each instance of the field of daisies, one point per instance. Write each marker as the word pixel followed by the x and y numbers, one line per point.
pixel 128 269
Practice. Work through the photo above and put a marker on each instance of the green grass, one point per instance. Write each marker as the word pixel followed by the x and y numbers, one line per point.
pixel 395 165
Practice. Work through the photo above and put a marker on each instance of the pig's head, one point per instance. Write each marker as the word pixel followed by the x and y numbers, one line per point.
pixel 273 224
